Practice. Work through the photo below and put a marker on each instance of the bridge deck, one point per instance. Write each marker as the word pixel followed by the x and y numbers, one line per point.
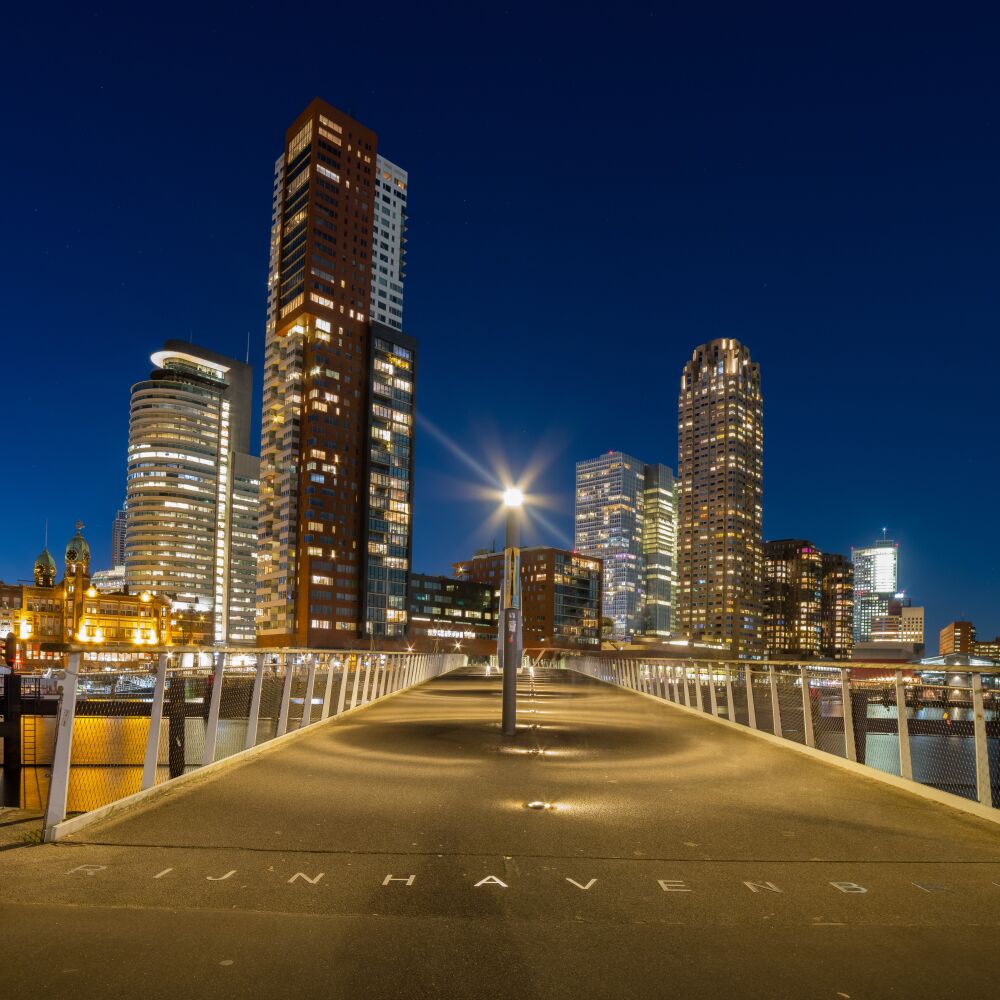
pixel 678 858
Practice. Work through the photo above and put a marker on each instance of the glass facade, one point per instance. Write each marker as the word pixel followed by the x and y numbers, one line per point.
pixel 659 549
pixel 876 575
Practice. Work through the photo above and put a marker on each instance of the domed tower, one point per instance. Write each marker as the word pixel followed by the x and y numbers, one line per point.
pixel 45 569
pixel 77 553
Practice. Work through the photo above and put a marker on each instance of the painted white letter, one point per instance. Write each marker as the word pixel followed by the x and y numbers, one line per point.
pixel 490 880
pixel 573 881
pixel 931 887
pixel 164 872
pixel 302 875
pixel 673 885
pixel 393 878
pixel 848 887
pixel 87 869
pixel 758 886
pixel 220 878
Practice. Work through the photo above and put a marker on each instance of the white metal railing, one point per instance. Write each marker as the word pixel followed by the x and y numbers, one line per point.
pixel 118 732
pixel 908 721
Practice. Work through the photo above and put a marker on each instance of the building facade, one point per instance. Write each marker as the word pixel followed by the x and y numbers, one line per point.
pixel 444 611
pixel 337 421
pixel 793 598
pixel 956 637
pixel 837 609
pixel 560 595
pixel 192 489
pixel 876 575
pixel 74 610
pixel 720 559
pixel 659 550
pixel 118 527
pixel 609 526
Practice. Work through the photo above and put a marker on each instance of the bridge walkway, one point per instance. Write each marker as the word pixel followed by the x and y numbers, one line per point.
pixel 393 853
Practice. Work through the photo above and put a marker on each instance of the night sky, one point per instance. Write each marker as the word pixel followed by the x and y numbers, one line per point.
pixel 592 195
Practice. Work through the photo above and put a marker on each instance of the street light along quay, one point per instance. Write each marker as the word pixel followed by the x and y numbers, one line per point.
pixel 510 609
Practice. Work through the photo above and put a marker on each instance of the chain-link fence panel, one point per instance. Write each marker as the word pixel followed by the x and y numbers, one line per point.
pixel 826 703
pixel 760 691
pixel 788 683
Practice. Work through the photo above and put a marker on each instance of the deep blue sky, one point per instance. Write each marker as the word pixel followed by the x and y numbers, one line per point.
pixel 593 193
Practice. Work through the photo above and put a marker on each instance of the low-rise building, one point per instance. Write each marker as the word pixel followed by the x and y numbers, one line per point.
pixel 443 610
pixel 560 595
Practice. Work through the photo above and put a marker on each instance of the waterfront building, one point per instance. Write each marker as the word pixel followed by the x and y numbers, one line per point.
pixel 960 637
pixel 192 489
pixel 444 611
pixel 837 607
pixel 560 595
pixel 609 526
pixel 793 593
pixel 74 610
pixel 339 379
pixel 109 581
pixel 876 572
pixel 659 550
pixel 720 562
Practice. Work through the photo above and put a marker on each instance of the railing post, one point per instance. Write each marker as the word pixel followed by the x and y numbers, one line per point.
pixel 903 728
pixel 212 727
pixel 687 687
pixel 155 718
pixel 368 681
pixel 253 715
pixel 713 697
pixel 775 707
pixel 751 705
pixel 984 791
pixel 307 705
pixel 675 694
pixel 327 689
pixel 730 710
pixel 357 681
pixel 342 696
pixel 286 694
pixel 661 680
pixel 698 698
pixel 845 696
pixel 807 715
pixel 55 810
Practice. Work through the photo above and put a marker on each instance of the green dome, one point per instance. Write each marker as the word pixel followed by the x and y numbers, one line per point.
pixel 45 563
pixel 77 549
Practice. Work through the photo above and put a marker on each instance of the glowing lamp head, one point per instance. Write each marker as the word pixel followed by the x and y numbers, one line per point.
pixel 513 497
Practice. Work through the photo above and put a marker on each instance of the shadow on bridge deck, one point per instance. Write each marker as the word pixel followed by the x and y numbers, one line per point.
pixel 674 856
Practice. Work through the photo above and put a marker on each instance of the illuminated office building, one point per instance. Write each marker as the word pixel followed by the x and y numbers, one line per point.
pixel 339 378
pixel 118 537
pixel 192 489
pixel 659 549
pixel 875 584
pixel 793 592
pixel 837 607
pixel 609 526
pixel 720 563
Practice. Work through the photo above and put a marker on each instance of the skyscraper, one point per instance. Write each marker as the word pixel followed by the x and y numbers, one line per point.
pixel 659 549
pixel 609 525
pixel 118 527
pixel 876 573
pixel 337 421
pixel 192 489
pixel 720 474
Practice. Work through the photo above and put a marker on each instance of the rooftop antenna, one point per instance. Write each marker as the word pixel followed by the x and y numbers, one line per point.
pixel 884 530
pixel 248 347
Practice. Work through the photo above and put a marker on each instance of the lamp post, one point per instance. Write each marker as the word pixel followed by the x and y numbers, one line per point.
pixel 510 610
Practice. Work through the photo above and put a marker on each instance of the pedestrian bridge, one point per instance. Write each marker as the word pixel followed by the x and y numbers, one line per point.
pixel 653 829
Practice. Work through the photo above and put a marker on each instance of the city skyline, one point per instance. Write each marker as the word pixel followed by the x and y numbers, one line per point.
pixel 827 324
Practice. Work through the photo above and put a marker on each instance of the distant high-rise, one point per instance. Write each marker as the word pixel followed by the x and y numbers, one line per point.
pixel 118 527
pixel 339 376
pixel 659 549
pixel 609 526
pixel 876 574
pixel 793 591
pixel 837 607
pixel 192 489
pixel 720 561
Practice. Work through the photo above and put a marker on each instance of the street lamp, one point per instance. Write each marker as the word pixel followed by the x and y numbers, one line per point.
pixel 509 631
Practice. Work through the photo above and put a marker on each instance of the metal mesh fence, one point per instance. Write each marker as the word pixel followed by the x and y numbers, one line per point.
pixel 111 731
pixel 847 711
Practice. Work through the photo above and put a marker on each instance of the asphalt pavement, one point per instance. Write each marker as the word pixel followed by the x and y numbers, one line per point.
pixel 616 847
